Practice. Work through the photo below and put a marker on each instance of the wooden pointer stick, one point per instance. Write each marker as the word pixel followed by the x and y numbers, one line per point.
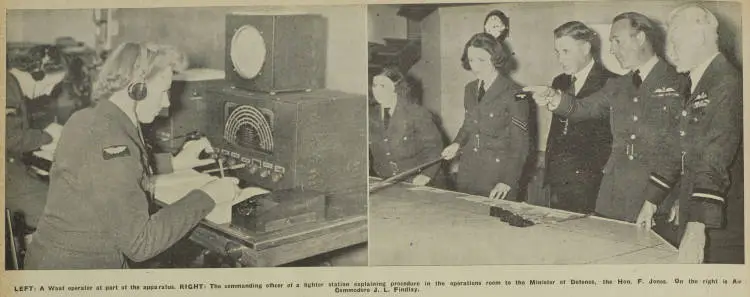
pixel 401 175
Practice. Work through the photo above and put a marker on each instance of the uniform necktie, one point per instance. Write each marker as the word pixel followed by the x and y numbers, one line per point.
pixel 480 92
pixel 573 80
pixel 572 90
pixel 386 117
pixel 689 90
pixel 637 79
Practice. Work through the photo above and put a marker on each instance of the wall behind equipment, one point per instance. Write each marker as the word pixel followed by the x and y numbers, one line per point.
pixel 44 26
pixel 200 33
pixel 384 22
pixel 531 39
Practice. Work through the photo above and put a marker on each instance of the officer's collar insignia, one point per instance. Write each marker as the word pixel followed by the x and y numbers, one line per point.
pixel 666 92
pixel 115 151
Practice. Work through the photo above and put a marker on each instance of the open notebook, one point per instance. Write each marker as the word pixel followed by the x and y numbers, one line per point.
pixel 172 187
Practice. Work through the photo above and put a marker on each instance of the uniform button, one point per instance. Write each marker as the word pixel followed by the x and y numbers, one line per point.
pixel 388 154
pixel 684 112
pixel 578 172
pixel 476 150
pixel 492 115
pixel 635 118
pixel 630 158
pixel 405 138
pixel 682 133
pixel 664 108
pixel 497 160
pixel 632 136
pixel 475 121
pixel 635 99
pixel 386 139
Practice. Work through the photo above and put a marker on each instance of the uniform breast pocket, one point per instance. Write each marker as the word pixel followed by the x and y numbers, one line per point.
pixel 662 114
pixel 495 123
pixel 405 143
pixel 697 112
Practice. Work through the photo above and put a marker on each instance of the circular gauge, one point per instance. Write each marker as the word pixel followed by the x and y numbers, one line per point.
pixel 247 52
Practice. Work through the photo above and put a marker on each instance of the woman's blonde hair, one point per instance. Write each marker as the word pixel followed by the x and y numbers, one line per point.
pixel 123 67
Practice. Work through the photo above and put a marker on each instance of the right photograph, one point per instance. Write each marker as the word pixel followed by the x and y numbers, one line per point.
pixel 556 133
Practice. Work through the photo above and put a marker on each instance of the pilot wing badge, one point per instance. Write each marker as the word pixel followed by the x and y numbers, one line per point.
pixel 115 151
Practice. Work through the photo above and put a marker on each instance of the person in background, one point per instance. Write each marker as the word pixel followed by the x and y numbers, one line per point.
pixel 97 214
pixel 493 141
pixel 34 79
pixel 577 150
pixel 642 107
pixel 497 24
pixel 403 135
pixel 708 175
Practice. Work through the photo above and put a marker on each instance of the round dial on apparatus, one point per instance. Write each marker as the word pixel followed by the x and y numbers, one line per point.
pixel 247 52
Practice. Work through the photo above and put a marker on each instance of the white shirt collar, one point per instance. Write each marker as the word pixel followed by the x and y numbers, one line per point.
pixel 384 110
pixel 487 83
pixel 33 89
pixel 697 72
pixel 646 68
pixel 582 75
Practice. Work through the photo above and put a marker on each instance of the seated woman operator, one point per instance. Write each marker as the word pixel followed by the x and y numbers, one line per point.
pixel 27 81
pixel 97 213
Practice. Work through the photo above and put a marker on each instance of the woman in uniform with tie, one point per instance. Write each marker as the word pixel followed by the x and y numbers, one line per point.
pixel 403 135
pixel 493 142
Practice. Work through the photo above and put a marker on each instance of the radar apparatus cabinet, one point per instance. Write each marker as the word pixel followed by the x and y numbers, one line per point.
pixel 297 145
pixel 277 127
pixel 276 53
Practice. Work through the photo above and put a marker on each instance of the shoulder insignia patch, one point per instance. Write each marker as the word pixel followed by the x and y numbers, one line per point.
pixel 115 151
pixel 522 96
pixel 11 111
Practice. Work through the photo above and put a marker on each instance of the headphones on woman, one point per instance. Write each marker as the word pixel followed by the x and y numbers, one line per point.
pixel 137 89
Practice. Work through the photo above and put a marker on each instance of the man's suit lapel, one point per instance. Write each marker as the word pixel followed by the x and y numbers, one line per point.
pixel 593 81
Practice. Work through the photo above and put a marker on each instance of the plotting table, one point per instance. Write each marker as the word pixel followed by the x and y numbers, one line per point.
pixel 412 225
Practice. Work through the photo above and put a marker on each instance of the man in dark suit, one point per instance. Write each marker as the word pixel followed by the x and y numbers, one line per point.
pixel 642 107
pixel 577 151
pixel 708 178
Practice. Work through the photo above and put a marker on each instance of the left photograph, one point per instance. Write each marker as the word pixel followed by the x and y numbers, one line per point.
pixel 196 137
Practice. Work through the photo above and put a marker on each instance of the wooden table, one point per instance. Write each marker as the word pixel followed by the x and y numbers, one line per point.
pixel 339 229
pixel 282 247
pixel 412 225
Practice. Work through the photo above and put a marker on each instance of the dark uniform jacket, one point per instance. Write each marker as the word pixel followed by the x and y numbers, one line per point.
pixel 494 138
pixel 708 176
pixel 577 151
pixel 641 121
pixel 409 138
pixel 97 211
pixel 23 192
